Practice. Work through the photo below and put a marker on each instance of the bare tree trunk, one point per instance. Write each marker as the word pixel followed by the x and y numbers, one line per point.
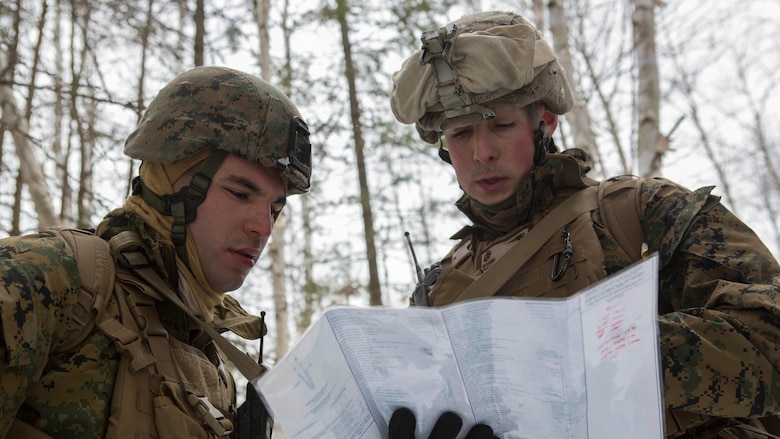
pixel 15 228
pixel 262 10
pixel 374 289
pixel 140 99
pixel 538 7
pixel 78 71
pixel 200 31
pixel 60 157
pixel 145 33
pixel 30 171
pixel 650 143
pixel 31 89
pixel 86 193
pixel 11 119
pixel 311 291
pixel 72 106
pixel 277 244
pixel 36 61
pixel 279 286
pixel 604 98
pixel 578 117
pixel 182 39
pixel 17 209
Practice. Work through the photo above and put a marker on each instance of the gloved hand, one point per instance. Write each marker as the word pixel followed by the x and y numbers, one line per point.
pixel 403 423
pixel 420 294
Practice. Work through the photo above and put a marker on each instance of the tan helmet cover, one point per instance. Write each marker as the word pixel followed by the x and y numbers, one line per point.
pixel 501 62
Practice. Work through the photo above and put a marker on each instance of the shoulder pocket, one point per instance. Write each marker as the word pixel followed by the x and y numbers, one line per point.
pixel 40 284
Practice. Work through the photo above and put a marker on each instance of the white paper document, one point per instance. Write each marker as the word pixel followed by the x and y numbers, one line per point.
pixel 582 367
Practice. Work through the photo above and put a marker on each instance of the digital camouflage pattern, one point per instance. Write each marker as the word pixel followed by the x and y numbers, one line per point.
pixel 719 307
pixel 69 394
pixel 39 286
pixel 719 311
pixel 217 107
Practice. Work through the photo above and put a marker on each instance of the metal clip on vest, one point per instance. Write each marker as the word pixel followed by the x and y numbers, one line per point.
pixel 567 252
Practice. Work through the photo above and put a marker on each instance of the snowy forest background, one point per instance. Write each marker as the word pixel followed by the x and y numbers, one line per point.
pixel 687 90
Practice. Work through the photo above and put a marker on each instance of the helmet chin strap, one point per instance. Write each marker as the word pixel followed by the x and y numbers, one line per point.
pixel 183 205
pixel 443 153
pixel 543 144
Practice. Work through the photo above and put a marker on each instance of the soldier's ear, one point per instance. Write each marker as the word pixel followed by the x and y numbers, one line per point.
pixel 549 118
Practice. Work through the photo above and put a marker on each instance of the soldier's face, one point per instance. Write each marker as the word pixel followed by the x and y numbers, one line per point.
pixel 235 220
pixel 490 157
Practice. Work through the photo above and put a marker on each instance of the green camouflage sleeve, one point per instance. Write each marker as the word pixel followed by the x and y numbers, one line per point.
pixel 719 305
pixel 40 283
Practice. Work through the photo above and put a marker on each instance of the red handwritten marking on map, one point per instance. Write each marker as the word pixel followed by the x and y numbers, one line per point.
pixel 614 333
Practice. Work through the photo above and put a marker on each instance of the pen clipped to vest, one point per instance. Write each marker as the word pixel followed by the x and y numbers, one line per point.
pixel 252 419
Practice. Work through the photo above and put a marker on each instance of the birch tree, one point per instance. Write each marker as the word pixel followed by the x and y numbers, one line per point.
pixel 341 13
pixel 717 96
pixel 578 118
pixel 82 109
pixel 651 145
pixel 58 148
pixel 277 245
pixel 30 170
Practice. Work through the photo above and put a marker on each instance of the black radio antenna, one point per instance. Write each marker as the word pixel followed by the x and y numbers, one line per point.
pixel 414 258
pixel 262 337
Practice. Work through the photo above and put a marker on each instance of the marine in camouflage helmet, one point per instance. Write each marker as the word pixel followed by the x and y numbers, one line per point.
pixel 206 113
pixel 66 370
pixel 474 68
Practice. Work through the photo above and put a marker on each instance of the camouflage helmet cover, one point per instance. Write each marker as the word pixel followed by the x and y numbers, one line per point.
pixel 498 62
pixel 222 108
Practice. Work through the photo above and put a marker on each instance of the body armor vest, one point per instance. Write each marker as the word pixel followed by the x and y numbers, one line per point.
pixel 535 278
pixel 164 388
pixel 570 260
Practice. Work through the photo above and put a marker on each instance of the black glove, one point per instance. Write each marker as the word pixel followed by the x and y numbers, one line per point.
pixel 403 423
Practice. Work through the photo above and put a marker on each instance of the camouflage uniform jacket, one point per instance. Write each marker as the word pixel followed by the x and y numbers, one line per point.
pixel 719 308
pixel 65 394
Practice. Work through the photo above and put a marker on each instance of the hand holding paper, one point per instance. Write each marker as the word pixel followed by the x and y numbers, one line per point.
pixel 403 424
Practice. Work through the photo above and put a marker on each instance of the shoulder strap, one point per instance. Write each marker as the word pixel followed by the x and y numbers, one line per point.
pixel 621 214
pixel 522 250
pixel 134 253
pixel 147 369
pixel 96 269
